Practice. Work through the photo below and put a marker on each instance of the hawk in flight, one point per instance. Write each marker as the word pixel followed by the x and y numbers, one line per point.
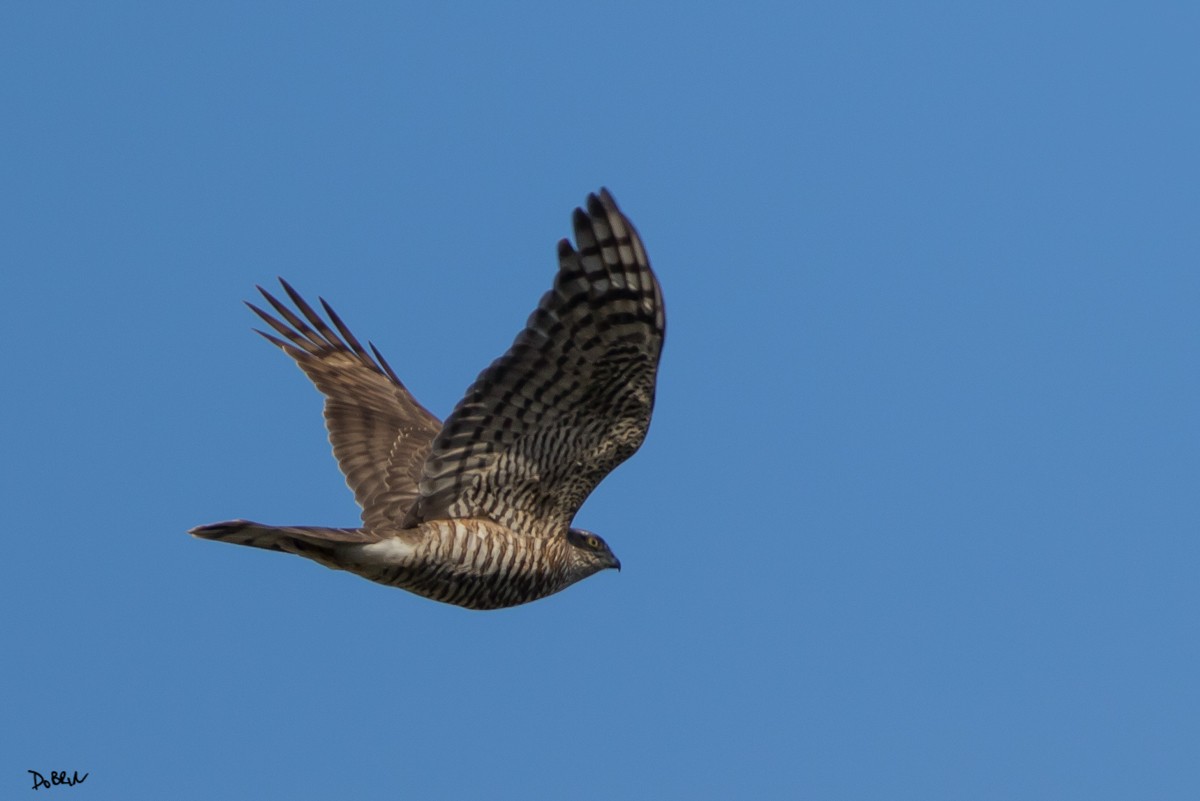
pixel 477 511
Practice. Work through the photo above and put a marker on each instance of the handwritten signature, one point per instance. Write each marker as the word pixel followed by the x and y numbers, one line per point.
pixel 56 777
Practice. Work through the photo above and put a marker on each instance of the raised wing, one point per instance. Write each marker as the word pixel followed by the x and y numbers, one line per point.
pixel 569 401
pixel 380 434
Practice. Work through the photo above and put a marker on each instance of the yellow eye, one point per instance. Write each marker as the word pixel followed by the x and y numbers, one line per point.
pixel 593 542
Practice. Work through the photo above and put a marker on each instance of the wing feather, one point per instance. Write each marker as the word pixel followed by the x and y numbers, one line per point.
pixel 380 434
pixel 570 400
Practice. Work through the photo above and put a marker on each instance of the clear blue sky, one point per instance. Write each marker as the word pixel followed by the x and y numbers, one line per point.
pixel 917 517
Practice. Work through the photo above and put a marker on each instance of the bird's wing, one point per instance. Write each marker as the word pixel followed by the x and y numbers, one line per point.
pixel 568 402
pixel 380 434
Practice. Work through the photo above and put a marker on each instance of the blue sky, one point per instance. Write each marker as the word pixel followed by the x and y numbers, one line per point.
pixel 917 515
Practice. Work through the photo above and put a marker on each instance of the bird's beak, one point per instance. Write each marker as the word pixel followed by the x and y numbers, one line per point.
pixel 617 564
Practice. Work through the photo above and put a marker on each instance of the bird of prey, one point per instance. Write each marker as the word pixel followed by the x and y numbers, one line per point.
pixel 477 511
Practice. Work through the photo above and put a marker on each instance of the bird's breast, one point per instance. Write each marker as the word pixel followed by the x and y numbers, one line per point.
pixel 471 562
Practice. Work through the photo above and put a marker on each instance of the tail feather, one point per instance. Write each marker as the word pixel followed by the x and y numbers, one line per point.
pixel 314 542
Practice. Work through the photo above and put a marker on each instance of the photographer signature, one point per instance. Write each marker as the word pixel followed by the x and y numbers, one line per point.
pixel 56 777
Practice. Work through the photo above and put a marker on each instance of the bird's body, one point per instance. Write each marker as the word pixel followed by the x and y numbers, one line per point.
pixel 469 562
pixel 476 511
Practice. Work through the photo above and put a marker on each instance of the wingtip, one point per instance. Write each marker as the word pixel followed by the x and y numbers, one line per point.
pixel 602 200
pixel 292 293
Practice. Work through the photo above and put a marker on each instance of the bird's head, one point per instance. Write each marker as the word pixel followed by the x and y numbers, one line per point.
pixel 591 550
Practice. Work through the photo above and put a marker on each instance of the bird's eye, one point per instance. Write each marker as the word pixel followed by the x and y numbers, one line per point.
pixel 593 542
